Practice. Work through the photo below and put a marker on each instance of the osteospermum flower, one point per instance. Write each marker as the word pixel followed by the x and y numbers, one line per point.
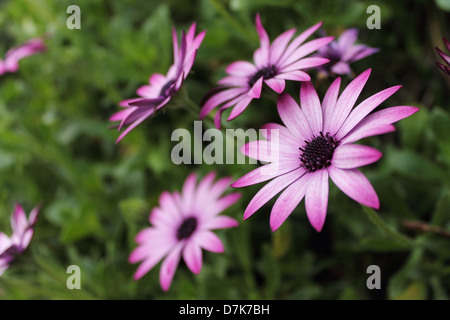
pixel 12 56
pixel 181 226
pixel 161 88
pixel 274 63
pixel 317 143
pixel 342 52
pixel 20 238
pixel 446 58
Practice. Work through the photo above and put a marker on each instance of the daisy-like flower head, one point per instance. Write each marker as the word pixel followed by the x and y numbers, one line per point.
pixel 445 57
pixel 274 63
pixel 342 52
pixel 181 226
pixel 317 143
pixel 20 238
pixel 12 57
pixel 161 88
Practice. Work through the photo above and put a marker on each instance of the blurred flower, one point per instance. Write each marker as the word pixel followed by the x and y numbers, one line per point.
pixel 161 88
pixel 21 236
pixel 342 52
pixel 12 57
pixel 182 226
pixel 273 63
pixel 317 142
pixel 445 57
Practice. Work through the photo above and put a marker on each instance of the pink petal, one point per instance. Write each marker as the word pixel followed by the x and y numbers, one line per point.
pixel 305 63
pixel 310 103
pixel 240 107
pixel 169 205
pixel 19 221
pixel 378 122
pixel 264 173
pixel 5 242
pixel 271 189
pixel 192 255
pixel 281 134
pixel 203 187
pixel 224 203
pixel 168 267
pixel 220 222
pixel 347 38
pixel 288 201
pixel 364 108
pixel 188 193
pixel 241 69
pixel 341 67
pixel 350 156
pixel 346 101
pixel 296 75
pixel 316 199
pixel 255 91
pixel 265 42
pixel 209 241
pixel 262 150
pixel 148 263
pixel 275 84
pixel 329 103
pixel 355 185
pixel 279 45
pixel 220 98
pixel 293 117
pixel 306 49
pixel 297 42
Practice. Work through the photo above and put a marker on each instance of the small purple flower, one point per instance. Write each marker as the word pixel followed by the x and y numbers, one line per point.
pixel 21 236
pixel 318 143
pixel 274 63
pixel 445 57
pixel 181 226
pixel 161 88
pixel 342 52
pixel 12 57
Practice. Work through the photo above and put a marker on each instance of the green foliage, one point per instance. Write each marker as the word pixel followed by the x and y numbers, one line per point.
pixel 56 148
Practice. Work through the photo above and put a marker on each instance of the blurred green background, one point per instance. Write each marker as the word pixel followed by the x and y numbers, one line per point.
pixel 57 148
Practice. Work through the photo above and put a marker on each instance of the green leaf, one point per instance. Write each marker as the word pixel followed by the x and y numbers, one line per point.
pixel 380 244
pixel 441 213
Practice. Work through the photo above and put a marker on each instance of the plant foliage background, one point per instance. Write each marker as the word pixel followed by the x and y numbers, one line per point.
pixel 56 148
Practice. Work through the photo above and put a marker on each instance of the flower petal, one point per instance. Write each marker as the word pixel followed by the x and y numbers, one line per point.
pixel 271 189
pixel 288 201
pixel 276 85
pixel 293 117
pixel 192 255
pixel 316 199
pixel 255 90
pixel 329 103
pixel 168 267
pixel 350 156
pixel 279 45
pixel 310 103
pixel 241 69
pixel 209 241
pixel 355 185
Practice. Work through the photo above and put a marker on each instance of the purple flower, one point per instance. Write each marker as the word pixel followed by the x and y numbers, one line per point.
pixel 161 88
pixel 12 57
pixel 21 236
pixel 342 52
pixel 181 226
pixel 317 143
pixel 274 63
pixel 445 57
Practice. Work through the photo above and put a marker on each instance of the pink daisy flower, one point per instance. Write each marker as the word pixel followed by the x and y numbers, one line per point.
pixel 342 52
pixel 446 58
pixel 274 63
pixel 21 236
pixel 181 226
pixel 12 57
pixel 317 143
pixel 161 88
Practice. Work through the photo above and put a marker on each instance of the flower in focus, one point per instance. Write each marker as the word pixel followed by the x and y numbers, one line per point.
pixel 274 63
pixel 20 238
pixel 342 52
pixel 317 143
pixel 12 57
pixel 161 88
pixel 446 58
pixel 181 226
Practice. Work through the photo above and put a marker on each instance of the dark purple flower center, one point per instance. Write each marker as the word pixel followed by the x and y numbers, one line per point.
pixel 186 228
pixel 166 89
pixel 318 152
pixel 266 73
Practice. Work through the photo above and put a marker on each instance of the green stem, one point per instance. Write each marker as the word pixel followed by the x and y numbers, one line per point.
pixel 377 221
